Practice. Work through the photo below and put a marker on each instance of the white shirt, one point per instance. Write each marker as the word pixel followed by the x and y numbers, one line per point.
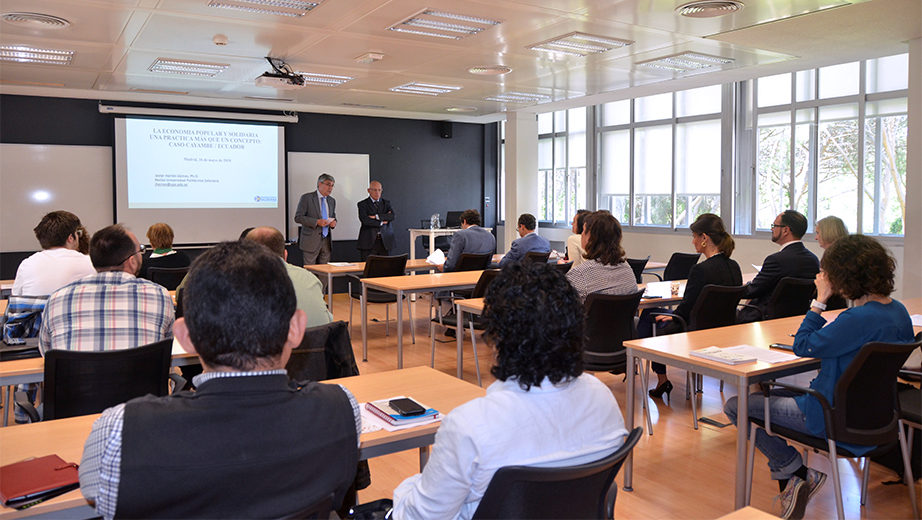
pixel 573 423
pixel 47 271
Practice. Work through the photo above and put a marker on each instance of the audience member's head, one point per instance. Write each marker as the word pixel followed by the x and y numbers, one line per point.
pixel 471 217
pixel 601 238
pixel 115 248
pixel 858 265
pixel 788 226
pixel 56 227
pixel 528 221
pixel 244 233
pixel 712 226
pixel 160 236
pixel 830 229
pixel 269 237
pixel 579 220
pixel 534 320
pixel 239 308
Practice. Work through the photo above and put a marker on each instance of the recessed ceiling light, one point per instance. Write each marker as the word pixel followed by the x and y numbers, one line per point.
pixel 518 97
pixel 27 54
pixel 461 109
pixel 427 89
pixel 189 68
pixel 431 22
pixel 579 44
pixel 291 8
pixel 490 70
pixel 709 8
pixel 329 80
pixel 36 20
pixel 686 61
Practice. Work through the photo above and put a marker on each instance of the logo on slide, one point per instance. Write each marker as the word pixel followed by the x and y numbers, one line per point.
pixel 265 199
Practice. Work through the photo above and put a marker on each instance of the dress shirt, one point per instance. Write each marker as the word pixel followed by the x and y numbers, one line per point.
pixel 100 466
pixel 592 276
pixel 106 311
pixel 574 422
pixel 575 250
pixel 47 271
pixel 309 293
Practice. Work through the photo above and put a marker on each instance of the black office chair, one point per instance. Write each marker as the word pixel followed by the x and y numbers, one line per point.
pixel 376 267
pixel 537 257
pixel 791 297
pixel 609 323
pixel 638 265
pixel 179 295
pixel 866 413
pixel 678 266
pixel 319 511
pixel 169 277
pixel 466 262
pixel 564 268
pixel 442 242
pixel 584 491
pixel 83 383
pixel 475 322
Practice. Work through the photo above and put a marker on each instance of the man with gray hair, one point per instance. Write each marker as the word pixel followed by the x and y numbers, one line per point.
pixel 317 215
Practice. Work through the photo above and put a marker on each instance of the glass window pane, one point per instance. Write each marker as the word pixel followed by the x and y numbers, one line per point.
pixel 616 113
pixel 545 153
pixel 576 120
pixel 774 170
pixel 838 168
pixel 652 108
pixel 886 74
pixel 803 139
pixel 885 107
pixel 502 130
pixel 502 180
pixel 560 194
pixel 705 100
pixel 653 175
pixel 577 150
pixel 560 152
pixel 839 80
pixel 885 174
pixel 774 90
pixel 697 170
pixel 615 163
pixel 805 85
pixel 545 123
pixel 560 121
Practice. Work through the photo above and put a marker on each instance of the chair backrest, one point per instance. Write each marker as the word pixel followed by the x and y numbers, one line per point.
pixel 472 262
pixel 319 511
pixel 179 295
pixel 638 265
pixel 483 283
pixel 584 491
pixel 791 297
pixel 537 256
pixel 679 265
pixel 866 404
pixel 83 383
pixel 325 353
pixel 715 307
pixel 169 277
pixel 377 266
pixel 565 267
pixel 609 323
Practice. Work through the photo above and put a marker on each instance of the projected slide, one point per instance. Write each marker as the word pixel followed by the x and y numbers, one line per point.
pixel 191 164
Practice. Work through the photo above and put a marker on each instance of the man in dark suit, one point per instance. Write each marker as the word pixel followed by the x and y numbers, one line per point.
pixel 528 240
pixel 376 236
pixel 317 215
pixel 471 239
pixel 794 260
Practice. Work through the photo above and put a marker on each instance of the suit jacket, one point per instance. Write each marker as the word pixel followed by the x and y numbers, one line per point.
pixel 371 227
pixel 717 270
pixel 474 240
pixel 794 261
pixel 523 245
pixel 307 214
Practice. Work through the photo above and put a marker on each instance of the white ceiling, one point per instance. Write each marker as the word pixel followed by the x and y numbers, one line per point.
pixel 115 41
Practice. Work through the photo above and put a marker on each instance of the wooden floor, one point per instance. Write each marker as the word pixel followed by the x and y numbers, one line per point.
pixel 678 472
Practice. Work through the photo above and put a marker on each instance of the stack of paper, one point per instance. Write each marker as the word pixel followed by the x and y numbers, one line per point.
pixel 723 356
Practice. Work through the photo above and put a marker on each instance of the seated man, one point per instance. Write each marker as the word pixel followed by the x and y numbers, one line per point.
pixel 58 263
pixel 261 446
pixel 542 410
pixel 793 260
pixel 528 240
pixel 470 239
pixel 112 309
pixel 308 289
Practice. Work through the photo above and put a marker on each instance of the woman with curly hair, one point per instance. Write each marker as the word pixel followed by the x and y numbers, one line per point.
pixel 861 269
pixel 542 410
pixel 604 270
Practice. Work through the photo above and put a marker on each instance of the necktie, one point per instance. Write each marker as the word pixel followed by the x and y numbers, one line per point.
pixel 323 214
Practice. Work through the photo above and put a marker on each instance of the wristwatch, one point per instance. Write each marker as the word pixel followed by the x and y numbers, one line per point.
pixel 818 304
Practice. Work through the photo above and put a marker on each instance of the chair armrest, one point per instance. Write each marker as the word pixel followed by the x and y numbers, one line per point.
pixel 673 316
pixel 180 383
pixel 22 399
pixel 656 275
pixel 761 314
pixel 827 408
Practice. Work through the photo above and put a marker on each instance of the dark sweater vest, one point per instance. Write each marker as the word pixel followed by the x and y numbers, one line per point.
pixel 242 447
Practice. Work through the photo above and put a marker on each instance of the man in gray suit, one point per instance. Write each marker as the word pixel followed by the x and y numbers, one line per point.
pixel 471 239
pixel 527 242
pixel 317 215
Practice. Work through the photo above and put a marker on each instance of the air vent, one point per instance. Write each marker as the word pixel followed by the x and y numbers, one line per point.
pixel 518 97
pixel 36 20
pixel 579 44
pixel 327 80
pixel 490 70
pixel 27 54
pixel 426 89
pixel 290 8
pixel 442 24
pixel 686 61
pixel 709 8
pixel 188 68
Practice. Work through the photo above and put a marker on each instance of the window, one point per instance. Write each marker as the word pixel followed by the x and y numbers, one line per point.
pixel 562 181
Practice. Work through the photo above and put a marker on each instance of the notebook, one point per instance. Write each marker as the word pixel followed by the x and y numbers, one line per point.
pixel 34 480
pixel 723 356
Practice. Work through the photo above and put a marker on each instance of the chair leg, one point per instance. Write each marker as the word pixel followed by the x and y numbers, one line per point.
pixel 351 323
pixel 694 402
pixel 865 474
pixel 750 462
pixel 410 318
pixel 431 299
pixel 432 343
pixel 644 396
pixel 387 319
pixel 907 469
pixel 476 361
pixel 836 481
pixel 721 386
pixel 688 385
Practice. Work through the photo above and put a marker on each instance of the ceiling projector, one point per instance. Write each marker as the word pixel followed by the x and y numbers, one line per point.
pixel 280 81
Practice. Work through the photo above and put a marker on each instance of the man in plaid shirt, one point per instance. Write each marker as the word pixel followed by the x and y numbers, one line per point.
pixel 112 309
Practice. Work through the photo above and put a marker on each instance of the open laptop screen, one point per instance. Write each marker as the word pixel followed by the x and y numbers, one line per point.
pixel 453 219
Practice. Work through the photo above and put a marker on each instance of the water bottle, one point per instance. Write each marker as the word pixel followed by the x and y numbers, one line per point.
pixel 434 221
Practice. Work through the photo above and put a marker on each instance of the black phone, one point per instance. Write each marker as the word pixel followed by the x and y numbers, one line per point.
pixel 782 346
pixel 406 407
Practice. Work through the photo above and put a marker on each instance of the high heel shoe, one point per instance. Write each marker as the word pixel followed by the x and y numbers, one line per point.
pixel 665 388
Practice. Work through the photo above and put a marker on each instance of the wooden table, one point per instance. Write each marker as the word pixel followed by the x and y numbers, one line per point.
pixel 431 233
pixel 332 271
pixel 407 285
pixel 65 437
pixel 673 350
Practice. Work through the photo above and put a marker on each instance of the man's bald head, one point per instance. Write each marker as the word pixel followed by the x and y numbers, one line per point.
pixel 269 237
pixel 374 190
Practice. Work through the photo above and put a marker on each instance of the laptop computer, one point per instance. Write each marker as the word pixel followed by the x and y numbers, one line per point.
pixel 453 219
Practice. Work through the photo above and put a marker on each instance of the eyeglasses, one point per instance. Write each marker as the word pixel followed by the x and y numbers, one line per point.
pixel 777 225
pixel 141 250
pixel 328 183
pixel 78 233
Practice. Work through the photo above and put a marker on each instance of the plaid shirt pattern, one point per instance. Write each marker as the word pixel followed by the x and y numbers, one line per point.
pixel 106 311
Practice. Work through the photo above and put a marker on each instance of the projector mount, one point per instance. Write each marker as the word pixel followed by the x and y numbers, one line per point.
pixel 283 78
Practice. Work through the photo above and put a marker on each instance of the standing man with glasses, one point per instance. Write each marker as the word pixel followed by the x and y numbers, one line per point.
pixel 317 215
pixel 112 309
pixel 376 236
pixel 794 260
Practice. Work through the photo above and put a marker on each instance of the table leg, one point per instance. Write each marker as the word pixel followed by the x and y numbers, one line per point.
pixel 330 292
pixel 9 404
pixel 364 325
pixel 629 419
pixel 399 329
pixel 459 333
pixel 742 414
pixel 431 242
pixel 423 457
pixel 412 257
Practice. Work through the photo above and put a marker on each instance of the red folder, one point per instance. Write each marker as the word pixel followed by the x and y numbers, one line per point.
pixel 34 480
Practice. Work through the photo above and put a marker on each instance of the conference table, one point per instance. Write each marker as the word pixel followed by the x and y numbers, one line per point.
pixel 431 233
pixel 65 437
pixel 334 269
pixel 673 350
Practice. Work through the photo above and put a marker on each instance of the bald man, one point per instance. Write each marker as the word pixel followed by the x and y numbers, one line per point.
pixel 376 237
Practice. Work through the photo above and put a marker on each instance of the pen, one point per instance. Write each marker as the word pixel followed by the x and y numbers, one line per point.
pixel 792 335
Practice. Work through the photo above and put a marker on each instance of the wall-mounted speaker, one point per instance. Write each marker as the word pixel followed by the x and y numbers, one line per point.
pixel 445 129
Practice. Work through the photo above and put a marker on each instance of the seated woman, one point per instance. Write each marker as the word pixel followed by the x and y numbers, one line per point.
pixel 859 268
pixel 542 410
pixel 604 270
pixel 574 242
pixel 828 230
pixel 163 255
pixel 710 238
